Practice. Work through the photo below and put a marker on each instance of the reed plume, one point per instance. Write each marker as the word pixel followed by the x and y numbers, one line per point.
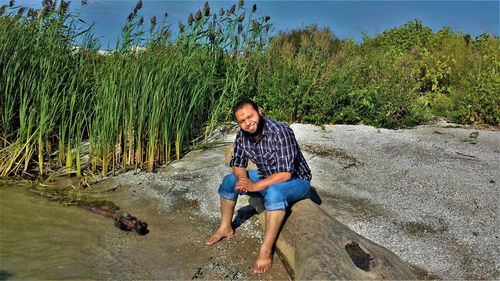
pixel 20 12
pixel 206 9
pixel 197 16
pixel 43 12
pixel 181 27
pixel 153 23
pixel 138 6
pixel 63 7
pixel 32 13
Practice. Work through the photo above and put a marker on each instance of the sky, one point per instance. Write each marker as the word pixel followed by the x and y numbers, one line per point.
pixel 347 19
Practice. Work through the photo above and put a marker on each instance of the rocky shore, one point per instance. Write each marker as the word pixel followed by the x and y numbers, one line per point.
pixel 429 194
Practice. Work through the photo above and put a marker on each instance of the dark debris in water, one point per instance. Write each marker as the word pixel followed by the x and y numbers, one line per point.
pixel 126 222
pixel 122 220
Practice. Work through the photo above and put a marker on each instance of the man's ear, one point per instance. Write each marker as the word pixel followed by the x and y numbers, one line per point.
pixel 260 111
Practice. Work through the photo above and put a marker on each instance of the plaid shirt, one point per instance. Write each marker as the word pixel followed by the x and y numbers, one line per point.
pixel 276 151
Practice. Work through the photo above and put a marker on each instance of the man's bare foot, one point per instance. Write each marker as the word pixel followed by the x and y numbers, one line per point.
pixel 264 262
pixel 219 234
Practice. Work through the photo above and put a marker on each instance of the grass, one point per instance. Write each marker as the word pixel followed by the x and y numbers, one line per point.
pixel 145 103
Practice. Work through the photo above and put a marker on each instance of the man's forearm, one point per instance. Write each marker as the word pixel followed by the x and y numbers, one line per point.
pixel 240 173
pixel 272 179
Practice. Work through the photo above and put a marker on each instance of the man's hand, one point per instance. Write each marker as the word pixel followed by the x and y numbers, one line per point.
pixel 245 185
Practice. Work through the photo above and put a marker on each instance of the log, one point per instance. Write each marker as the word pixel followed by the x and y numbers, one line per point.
pixel 315 246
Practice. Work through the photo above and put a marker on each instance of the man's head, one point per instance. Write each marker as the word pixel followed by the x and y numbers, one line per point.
pixel 247 114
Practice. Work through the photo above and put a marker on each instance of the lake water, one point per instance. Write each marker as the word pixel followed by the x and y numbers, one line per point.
pixel 43 240
pixel 40 239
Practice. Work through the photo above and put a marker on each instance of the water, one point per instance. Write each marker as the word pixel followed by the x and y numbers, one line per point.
pixel 40 239
pixel 43 240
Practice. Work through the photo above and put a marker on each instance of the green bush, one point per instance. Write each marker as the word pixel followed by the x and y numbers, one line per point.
pixel 403 77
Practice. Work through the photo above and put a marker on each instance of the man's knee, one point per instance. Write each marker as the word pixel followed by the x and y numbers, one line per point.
pixel 274 199
pixel 227 189
pixel 229 180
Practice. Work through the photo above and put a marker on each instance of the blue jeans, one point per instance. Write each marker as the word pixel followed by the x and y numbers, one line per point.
pixel 276 197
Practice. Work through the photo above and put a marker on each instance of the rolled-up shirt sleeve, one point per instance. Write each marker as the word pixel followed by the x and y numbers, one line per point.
pixel 286 151
pixel 239 158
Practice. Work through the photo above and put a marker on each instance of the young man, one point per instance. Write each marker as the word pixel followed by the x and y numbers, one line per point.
pixel 283 176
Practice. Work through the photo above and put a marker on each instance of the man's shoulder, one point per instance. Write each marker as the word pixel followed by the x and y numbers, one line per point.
pixel 276 126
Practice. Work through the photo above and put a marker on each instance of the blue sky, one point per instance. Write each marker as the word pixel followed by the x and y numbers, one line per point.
pixel 347 19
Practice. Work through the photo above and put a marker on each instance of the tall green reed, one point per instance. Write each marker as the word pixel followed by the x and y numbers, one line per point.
pixel 137 106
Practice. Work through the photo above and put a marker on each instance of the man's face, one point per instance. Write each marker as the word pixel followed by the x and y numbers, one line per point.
pixel 248 118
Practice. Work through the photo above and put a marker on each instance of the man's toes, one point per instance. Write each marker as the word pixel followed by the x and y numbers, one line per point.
pixel 262 269
pixel 258 269
pixel 212 240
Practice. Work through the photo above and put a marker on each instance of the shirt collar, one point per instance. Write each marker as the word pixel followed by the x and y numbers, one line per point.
pixel 265 130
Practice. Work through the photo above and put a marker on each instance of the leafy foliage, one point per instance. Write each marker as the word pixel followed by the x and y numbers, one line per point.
pixel 155 94
pixel 402 77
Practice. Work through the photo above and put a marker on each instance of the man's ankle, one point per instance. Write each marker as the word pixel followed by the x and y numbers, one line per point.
pixel 226 228
pixel 266 251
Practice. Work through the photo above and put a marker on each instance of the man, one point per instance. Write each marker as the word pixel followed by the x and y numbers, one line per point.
pixel 283 176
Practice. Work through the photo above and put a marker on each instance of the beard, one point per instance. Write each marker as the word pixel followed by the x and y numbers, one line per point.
pixel 260 128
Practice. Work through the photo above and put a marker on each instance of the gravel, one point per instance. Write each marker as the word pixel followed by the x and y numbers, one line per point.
pixel 429 194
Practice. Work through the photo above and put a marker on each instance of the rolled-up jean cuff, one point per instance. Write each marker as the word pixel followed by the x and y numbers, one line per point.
pixel 228 195
pixel 275 206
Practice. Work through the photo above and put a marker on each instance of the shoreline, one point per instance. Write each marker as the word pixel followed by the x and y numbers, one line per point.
pixel 428 194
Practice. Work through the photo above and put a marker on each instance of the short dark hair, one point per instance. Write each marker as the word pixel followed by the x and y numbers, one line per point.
pixel 240 104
